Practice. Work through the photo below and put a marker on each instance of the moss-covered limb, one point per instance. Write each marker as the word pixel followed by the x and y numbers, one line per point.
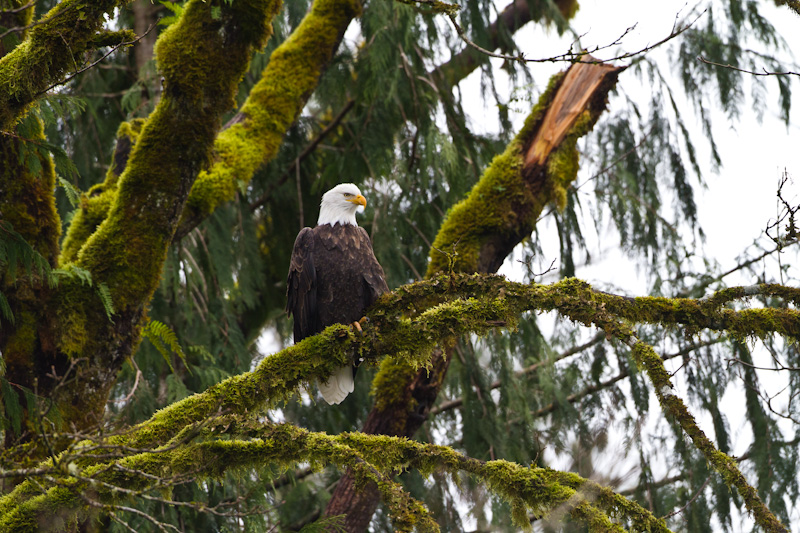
pixel 50 50
pixel 372 457
pixel 282 446
pixel 542 490
pixel 202 58
pixel 15 14
pixel 726 466
pixel 730 294
pixel 409 339
pixel 27 203
pixel 280 375
pixel 27 181
pixel 577 300
pixel 96 202
pixel 534 171
pixel 271 108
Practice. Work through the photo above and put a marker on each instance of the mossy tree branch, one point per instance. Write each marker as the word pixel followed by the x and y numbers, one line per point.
pixel 127 251
pixel 253 136
pixel 407 323
pixel 249 444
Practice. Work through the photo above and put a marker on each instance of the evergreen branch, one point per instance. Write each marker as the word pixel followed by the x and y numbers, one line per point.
pixel 458 402
pixel 16 252
pixel 264 198
pixel 752 72
pixel 5 311
pixel 576 396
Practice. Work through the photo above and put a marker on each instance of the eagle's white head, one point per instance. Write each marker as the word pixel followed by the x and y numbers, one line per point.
pixel 340 205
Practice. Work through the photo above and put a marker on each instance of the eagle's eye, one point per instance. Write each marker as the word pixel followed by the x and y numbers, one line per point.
pixel 348 195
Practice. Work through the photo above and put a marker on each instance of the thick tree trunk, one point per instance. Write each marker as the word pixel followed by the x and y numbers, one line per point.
pixel 571 107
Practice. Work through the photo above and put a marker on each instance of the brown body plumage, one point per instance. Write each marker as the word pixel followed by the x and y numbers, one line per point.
pixel 334 276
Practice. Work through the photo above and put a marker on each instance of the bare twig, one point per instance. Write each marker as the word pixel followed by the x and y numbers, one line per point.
pixel 754 73
pixel 573 56
pixel 698 493
pixel 19 9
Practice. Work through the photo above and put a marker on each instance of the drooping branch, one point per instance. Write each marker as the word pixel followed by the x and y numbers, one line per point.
pixel 576 396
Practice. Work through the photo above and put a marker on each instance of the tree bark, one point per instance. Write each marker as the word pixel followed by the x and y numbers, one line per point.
pixel 565 112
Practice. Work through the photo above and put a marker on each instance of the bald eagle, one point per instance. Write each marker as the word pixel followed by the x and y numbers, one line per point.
pixel 334 276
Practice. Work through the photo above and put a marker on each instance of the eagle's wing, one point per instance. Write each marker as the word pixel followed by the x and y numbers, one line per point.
pixel 301 287
pixel 374 277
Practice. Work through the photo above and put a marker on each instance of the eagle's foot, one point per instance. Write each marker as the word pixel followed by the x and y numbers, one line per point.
pixel 357 327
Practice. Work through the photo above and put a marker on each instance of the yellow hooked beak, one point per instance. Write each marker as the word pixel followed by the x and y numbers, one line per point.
pixel 360 200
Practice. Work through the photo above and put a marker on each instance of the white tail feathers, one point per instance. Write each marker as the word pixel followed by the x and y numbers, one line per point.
pixel 338 386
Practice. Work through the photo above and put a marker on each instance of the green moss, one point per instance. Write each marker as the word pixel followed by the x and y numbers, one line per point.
pixel 97 201
pixel 390 386
pixel 273 105
pixel 27 180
